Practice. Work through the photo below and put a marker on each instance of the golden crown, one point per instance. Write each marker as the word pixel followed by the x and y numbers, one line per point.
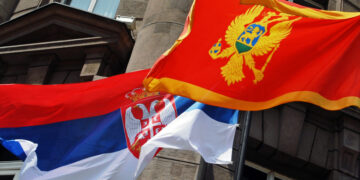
pixel 140 93
pixel 274 17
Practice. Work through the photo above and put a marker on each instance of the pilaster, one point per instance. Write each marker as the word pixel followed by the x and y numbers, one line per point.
pixel 346 164
pixel 39 68
pixel 95 62
pixel 6 9
pixel 162 24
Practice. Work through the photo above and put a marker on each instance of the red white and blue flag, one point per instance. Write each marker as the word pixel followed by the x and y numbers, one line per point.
pixel 100 129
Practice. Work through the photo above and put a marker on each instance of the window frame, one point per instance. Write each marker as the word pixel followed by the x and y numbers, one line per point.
pixel 10 168
pixel 271 175
pixel 91 7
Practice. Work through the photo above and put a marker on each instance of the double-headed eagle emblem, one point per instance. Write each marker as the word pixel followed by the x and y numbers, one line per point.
pixel 247 38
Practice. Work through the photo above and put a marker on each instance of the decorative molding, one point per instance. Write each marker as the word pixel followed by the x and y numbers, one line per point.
pixel 10 167
pixel 45 46
pixel 352 111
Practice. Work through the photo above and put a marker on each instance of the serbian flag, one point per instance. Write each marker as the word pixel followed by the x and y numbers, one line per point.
pixel 257 54
pixel 95 130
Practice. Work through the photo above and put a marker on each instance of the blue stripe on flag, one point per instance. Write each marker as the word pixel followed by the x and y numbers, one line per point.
pixel 224 115
pixel 66 142
pixel 182 104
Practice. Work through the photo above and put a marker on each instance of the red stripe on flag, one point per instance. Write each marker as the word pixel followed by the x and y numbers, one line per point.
pixel 27 105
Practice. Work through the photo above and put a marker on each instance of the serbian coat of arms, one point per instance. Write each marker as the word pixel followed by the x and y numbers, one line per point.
pixel 249 36
pixel 145 116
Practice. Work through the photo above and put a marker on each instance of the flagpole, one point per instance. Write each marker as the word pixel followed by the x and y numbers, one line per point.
pixel 245 128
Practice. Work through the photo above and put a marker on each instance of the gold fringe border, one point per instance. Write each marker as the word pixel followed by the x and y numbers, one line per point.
pixel 304 12
pixel 209 97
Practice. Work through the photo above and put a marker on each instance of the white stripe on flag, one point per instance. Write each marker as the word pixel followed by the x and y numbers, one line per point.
pixel 192 130
pixel 117 165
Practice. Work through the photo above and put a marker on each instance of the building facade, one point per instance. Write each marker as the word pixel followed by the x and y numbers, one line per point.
pixel 67 41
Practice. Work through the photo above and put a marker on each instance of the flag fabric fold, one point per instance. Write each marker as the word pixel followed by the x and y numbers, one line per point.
pixel 206 129
pixel 84 148
pixel 255 55
pixel 96 130
pixel 299 10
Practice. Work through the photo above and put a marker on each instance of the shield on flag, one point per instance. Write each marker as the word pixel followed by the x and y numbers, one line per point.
pixel 145 115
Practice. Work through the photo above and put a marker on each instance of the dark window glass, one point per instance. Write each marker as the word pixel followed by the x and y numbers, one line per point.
pixel 253 174
pixel 318 4
pixel 5 155
pixel 7 177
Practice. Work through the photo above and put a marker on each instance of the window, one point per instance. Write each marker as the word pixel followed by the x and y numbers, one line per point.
pixel 9 170
pixel 254 171
pixel 101 7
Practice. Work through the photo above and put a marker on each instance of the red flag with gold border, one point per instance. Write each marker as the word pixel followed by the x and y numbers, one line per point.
pixel 256 54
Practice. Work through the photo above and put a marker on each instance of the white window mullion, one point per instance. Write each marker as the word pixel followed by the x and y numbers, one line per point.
pixel 17 176
pixel 92 5
pixel 270 176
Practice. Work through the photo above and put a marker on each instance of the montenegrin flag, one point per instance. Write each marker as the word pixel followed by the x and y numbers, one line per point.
pixel 96 130
pixel 256 54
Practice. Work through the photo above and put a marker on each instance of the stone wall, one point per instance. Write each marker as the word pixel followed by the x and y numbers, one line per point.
pixel 6 9
pixel 351 5
pixel 301 137
pixel 344 5
pixel 25 6
pixel 133 8
pixel 162 24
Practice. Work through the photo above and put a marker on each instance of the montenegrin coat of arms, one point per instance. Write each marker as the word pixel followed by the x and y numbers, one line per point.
pixel 247 39
pixel 145 115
